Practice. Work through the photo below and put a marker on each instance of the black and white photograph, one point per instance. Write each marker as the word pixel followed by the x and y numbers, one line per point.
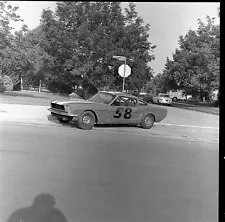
pixel 109 111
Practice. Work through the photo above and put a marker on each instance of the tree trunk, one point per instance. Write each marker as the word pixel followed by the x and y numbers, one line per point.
pixel 39 89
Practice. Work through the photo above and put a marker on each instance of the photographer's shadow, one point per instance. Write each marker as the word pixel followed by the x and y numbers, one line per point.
pixel 42 209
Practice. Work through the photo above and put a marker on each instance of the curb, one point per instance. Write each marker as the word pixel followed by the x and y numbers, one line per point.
pixel 193 109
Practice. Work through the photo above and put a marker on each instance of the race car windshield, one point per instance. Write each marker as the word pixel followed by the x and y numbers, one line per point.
pixel 101 97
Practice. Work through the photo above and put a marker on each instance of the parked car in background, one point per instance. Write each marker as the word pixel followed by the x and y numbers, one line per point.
pixel 163 99
pixel 178 95
pixel 147 97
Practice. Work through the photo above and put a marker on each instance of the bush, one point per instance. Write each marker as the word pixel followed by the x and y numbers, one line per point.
pixel 215 103
pixel 8 83
pixel 17 87
pixel 86 93
pixel 2 86
pixel 91 91
pixel 148 97
pixel 80 93
pixel 57 86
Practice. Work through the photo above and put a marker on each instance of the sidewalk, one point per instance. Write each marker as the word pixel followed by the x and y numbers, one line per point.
pixel 39 114
pixel 24 113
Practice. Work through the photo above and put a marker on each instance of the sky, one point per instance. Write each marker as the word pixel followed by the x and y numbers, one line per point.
pixel 168 21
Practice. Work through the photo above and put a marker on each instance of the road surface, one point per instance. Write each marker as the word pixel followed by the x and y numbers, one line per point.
pixel 106 176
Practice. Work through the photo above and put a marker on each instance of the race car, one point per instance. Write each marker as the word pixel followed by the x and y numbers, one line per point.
pixel 108 108
pixel 163 99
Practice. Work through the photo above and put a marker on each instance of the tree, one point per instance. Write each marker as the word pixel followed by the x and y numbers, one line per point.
pixel 7 15
pixel 40 60
pixel 8 83
pixel 138 47
pixel 195 65
pixel 82 40
pixel 2 85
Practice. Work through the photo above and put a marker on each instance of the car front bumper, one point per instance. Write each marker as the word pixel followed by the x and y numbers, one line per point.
pixel 165 102
pixel 57 112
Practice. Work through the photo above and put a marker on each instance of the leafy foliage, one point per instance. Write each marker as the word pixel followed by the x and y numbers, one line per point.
pixel 196 64
pixel 2 85
pixel 7 14
pixel 8 83
pixel 57 86
pixel 82 39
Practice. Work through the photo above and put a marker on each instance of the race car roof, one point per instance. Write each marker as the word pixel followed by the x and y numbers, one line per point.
pixel 119 94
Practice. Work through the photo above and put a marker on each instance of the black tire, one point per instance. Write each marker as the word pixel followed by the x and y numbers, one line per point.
pixel 148 121
pixel 174 99
pixel 86 120
pixel 64 119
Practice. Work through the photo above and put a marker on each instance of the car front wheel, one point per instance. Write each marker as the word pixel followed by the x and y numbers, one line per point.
pixel 148 121
pixel 86 121
pixel 64 119
pixel 174 99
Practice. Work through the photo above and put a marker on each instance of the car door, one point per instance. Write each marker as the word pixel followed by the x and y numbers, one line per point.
pixel 123 110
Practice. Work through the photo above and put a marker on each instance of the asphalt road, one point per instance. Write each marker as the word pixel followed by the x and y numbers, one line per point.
pixel 105 176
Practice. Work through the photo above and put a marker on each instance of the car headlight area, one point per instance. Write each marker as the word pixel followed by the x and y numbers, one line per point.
pixel 66 108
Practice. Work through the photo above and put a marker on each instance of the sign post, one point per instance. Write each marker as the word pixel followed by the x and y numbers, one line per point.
pixel 124 70
pixel 124 74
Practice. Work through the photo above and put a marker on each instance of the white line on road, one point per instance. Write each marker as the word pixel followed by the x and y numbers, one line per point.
pixel 108 130
pixel 162 124
pixel 170 124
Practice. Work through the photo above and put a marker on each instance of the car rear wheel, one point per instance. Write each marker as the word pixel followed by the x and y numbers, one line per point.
pixel 64 119
pixel 86 121
pixel 148 121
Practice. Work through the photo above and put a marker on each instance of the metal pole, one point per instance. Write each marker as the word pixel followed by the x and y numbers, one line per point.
pixel 21 83
pixel 124 73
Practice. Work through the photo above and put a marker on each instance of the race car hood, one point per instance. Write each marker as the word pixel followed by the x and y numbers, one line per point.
pixel 71 102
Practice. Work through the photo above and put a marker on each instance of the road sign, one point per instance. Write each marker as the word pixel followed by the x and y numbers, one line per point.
pixel 121 58
pixel 126 69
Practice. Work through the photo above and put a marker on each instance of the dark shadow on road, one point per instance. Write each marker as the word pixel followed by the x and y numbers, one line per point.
pixel 42 209
pixel 53 119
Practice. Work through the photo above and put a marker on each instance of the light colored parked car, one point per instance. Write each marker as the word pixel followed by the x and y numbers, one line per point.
pixel 178 95
pixel 163 99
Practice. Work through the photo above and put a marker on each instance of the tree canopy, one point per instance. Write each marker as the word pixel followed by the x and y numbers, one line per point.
pixel 83 37
pixel 195 66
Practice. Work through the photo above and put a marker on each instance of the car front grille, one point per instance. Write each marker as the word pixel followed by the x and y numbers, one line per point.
pixel 57 106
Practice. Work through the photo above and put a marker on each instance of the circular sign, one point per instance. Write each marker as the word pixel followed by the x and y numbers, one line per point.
pixel 124 69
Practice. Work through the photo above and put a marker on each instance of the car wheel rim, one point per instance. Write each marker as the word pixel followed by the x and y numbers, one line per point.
pixel 148 121
pixel 86 120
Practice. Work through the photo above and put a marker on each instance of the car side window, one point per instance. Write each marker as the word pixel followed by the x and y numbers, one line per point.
pixel 133 102
pixel 116 102
pixel 124 101
pixel 141 103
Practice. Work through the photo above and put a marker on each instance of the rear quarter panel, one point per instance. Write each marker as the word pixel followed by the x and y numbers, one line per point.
pixel 159 113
